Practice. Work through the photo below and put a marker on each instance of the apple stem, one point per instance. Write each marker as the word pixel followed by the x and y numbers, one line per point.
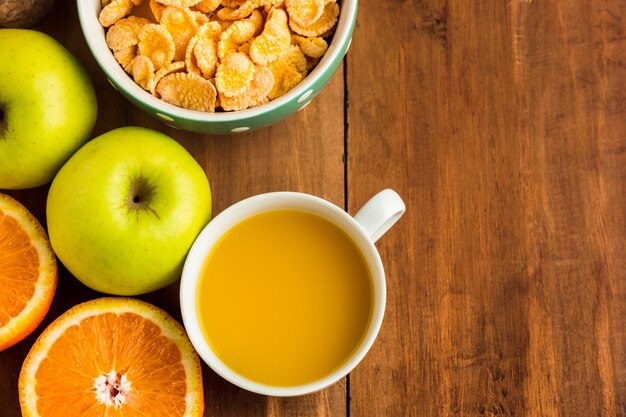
pixel 140 195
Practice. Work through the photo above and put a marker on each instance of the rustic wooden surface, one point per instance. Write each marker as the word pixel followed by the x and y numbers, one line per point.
pixel 503 126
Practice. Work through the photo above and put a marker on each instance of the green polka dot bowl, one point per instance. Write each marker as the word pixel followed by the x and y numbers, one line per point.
pixel 219 123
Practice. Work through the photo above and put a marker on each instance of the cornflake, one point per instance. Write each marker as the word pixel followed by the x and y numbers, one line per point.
pixel 125 56
pixel 169 69
pixel 180 3
pixel 224 24
pixel 125 32
pixel 277 5
pixel 210 30
pixel 114 11
pixel 312 47
pixel 190 58
pixel 208 6
pixel 244 10
pixel 254 95
pixel 143 71
pixel 201 18
pixel 225 54
pixel 157 9
pixel 288 71
pixel 321 25
pixel 233 4
pixel 234 74
pixel 189 91
pixel 205 52
pixel 304 12
pixel 274 41
pixel 257 19
pixel 245 48
pixel 156 43
pixel 238 33
pixel 182 25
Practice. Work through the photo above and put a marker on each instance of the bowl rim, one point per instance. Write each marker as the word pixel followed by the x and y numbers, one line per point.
pixel 94 35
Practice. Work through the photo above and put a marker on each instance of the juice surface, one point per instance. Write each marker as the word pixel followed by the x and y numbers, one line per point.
pixel 284 298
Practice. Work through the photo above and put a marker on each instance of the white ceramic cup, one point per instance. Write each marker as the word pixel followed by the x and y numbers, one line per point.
pixel 365 228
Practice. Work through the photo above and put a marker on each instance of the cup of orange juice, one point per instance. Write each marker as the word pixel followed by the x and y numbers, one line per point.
pixel 283 293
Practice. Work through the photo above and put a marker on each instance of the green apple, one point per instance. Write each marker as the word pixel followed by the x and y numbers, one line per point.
pixel 125 209
pixel 47 107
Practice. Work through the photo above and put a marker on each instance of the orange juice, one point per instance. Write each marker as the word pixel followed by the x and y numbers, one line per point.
pixel 284 298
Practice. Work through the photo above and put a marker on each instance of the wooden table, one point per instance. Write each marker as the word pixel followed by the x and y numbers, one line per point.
pixel 503 126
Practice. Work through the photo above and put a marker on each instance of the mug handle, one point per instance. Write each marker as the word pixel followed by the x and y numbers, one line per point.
pixel 380 213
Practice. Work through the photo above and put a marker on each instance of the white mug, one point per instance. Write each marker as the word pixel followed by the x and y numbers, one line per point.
pixel 365 228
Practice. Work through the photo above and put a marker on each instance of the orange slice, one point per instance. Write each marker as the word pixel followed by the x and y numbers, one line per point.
pixel 28 272
pixel 112 357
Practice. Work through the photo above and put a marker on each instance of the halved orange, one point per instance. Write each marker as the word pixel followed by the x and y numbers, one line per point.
pixel 28 272
pixel 112 357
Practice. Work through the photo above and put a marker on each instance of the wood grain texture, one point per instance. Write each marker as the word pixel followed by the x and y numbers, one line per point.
pixel 503 125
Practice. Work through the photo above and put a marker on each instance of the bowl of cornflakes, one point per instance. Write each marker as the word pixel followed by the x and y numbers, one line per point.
pixel 218 66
